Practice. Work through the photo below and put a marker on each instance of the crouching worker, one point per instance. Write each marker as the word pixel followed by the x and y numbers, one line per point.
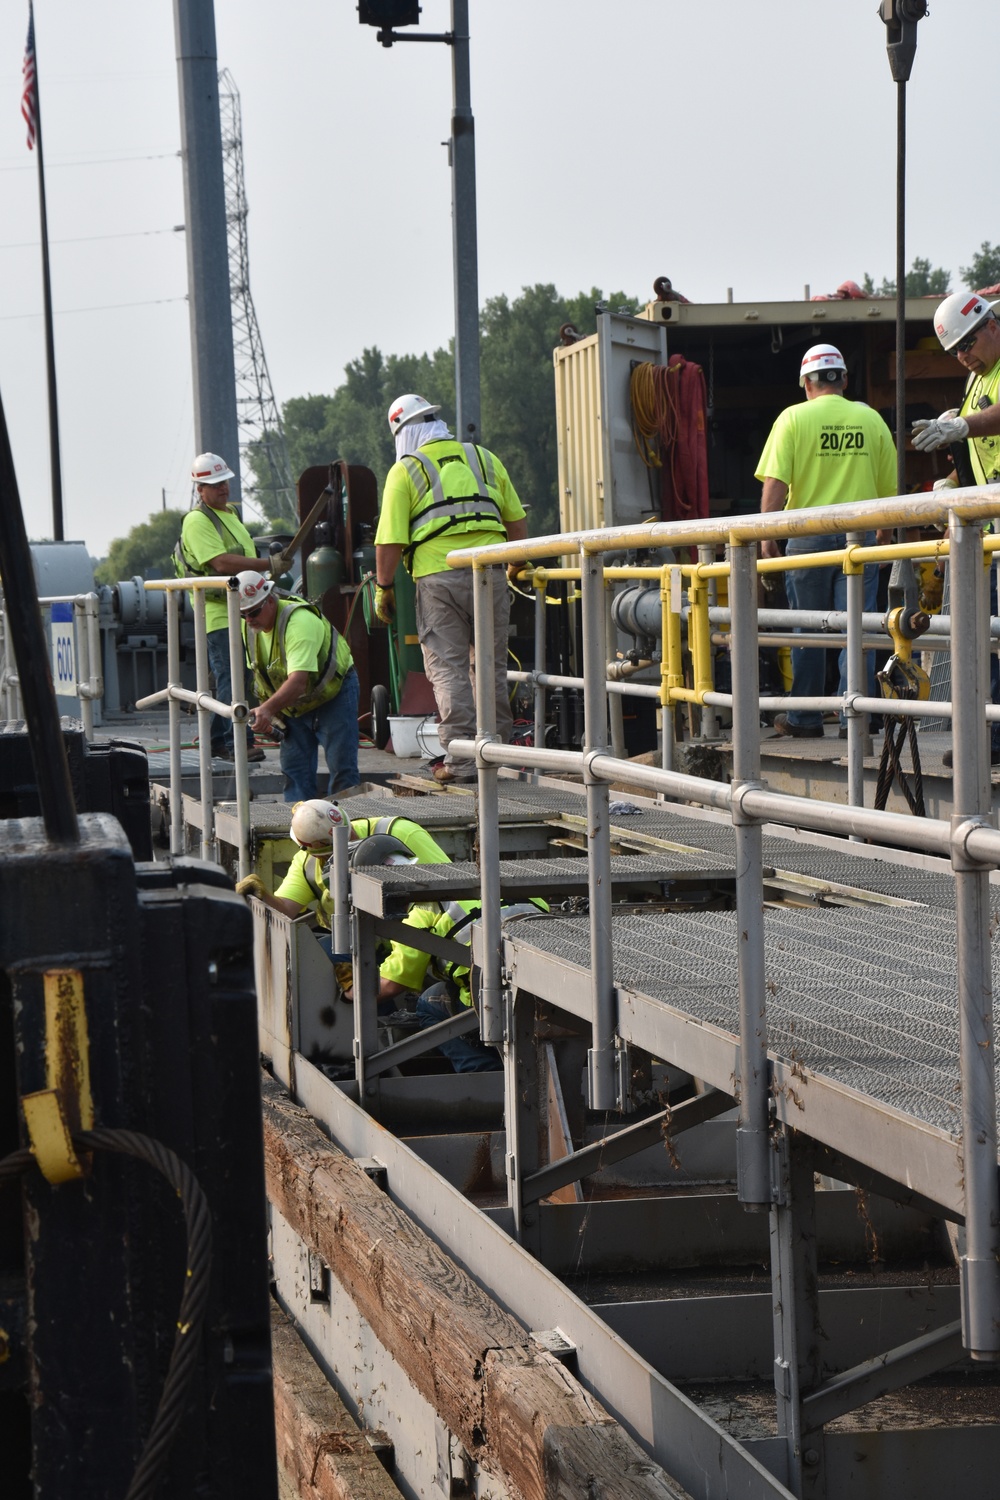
pixel 451 987
pixel 306 886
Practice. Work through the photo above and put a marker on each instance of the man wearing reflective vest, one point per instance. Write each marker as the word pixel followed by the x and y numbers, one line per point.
pixel 305 678
pixel 967 327
pixel 214 540
pixel 442 494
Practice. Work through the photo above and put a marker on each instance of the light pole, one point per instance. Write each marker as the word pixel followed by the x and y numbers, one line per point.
pixel 386 15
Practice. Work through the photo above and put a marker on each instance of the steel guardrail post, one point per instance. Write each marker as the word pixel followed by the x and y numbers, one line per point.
pixel 174 722
pixel 204 729
pixel 857 677
pixel 601 1071
pixel 971 799
pixel 237 677
pixel 491 985
pixel 540 653
pixel 340 878
pixel 709 718
pixel 614 699
pixel 752 1136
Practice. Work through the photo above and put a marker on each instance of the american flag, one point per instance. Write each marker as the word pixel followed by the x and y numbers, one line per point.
pixel 29 98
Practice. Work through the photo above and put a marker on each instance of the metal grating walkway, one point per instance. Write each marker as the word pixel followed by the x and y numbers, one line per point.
pixel 866 998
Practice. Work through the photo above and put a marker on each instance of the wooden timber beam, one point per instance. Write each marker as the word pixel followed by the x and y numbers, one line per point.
pixel 322 1450
pixel 520 1414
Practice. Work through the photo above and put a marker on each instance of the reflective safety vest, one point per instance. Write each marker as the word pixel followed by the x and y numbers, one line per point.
pixel 324 684
pixel 314 865
pixel 456 975
pixel 458 488
pixel 185 568
pixel 984 452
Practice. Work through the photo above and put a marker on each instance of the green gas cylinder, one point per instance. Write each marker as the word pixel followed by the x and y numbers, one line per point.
pixel 324 565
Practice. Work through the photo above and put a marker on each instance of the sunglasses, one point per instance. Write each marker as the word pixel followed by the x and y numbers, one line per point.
pixel 964 345
pixel 251 614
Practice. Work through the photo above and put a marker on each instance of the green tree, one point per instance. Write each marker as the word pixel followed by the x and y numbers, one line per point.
pixel 922 280
pixel 985 268
pixel 145 551
pixel 518 396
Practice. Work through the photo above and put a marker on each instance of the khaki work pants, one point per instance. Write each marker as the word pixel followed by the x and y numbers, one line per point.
pixel 445 630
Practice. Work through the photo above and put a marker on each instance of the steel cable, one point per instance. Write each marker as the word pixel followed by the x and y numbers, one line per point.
pixel 184 1356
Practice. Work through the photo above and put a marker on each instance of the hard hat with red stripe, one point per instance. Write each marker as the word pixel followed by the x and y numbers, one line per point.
pixel 819 358
pixel 407 409
pixel 959 315
pixel 209 468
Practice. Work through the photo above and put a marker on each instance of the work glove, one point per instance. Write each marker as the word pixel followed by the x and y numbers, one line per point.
pixel 344 975
pixel 948 483
pixel 385 603
pixel 939 432
pixel 251 885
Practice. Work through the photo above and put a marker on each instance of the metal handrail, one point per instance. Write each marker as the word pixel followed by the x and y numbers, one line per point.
pixel 174 694
pixel 969 840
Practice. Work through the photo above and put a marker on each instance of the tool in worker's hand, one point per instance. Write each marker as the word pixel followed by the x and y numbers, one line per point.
pixel 284 559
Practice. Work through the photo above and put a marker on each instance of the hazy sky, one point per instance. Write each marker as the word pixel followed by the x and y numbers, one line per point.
pixel 743 143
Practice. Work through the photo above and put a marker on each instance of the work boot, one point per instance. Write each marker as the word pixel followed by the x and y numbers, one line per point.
pixel 797 731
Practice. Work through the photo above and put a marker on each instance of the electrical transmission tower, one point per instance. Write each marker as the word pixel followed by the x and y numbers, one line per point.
pixel 259 418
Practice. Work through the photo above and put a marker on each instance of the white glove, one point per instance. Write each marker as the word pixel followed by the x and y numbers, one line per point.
pixel 949 483
pixel 939 431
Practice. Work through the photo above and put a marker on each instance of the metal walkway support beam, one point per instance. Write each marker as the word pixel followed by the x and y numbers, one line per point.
pixel 216 427
pixel 970 691
pixel 753 1145
pixel 491 991
pixel 602 1083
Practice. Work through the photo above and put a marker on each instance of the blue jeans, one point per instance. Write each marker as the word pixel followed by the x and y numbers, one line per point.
pixel 467 1054
pixel 334 725
pixel 822 589
pixel 221 729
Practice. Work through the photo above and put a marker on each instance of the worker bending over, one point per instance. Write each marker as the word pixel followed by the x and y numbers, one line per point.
pixel 305 679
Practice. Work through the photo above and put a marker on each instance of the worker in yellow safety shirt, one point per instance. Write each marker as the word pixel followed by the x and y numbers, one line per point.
pixel 305 885
pixel 966 326
pixel 439 495
pixel 305 680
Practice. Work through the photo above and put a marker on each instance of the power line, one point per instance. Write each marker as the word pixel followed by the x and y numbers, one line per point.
pixel 107 307
pixel 85 239
pixel 96 161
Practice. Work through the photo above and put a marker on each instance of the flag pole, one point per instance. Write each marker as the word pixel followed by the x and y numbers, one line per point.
pixel 32 104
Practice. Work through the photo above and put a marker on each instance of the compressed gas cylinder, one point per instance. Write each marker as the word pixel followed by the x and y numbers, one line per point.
pixel 324 566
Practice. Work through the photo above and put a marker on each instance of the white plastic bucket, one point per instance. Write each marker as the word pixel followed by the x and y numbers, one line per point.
pixel 414 735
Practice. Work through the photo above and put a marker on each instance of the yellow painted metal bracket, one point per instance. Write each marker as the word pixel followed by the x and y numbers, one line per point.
pixel 66 1104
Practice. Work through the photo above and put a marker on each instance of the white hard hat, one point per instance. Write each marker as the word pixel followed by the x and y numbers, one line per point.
pixel 406 409
pixel 209 468
pixel 313 823
pixel 959 315
pixel 254 589
pixel 820 357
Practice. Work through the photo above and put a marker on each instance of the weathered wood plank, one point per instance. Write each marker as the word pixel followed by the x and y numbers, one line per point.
pixel 518 1412
pixel 322 1452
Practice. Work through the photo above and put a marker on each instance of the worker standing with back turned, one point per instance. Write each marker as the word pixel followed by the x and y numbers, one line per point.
pixel 823 451
pixel 441 494
pixel 966 326
pixel 214 541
